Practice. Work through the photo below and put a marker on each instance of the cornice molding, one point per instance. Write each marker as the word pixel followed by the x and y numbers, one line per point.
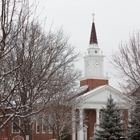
pixel 111 89
pixel 95 78
pixel 95 102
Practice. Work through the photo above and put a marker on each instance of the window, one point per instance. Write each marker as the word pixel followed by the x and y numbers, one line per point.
pixel 50 124
pixel 38 122
pixel 15 126
pixel 37 128
pixel 43 128
pixel 50 129
pixel 43 125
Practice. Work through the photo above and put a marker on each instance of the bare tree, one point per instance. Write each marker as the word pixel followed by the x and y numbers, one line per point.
pixel 46 63
pixel 13 19
pixel 127 63
pixel 30 60
pixel 58 114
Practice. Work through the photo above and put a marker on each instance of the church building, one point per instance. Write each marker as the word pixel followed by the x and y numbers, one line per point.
pixel 96 90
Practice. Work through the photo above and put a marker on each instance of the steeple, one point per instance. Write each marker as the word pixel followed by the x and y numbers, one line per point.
pixel 94 63
pixel 93 37
pixel 94 59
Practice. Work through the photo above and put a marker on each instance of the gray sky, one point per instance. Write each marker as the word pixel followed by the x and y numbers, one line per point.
pixel 115 20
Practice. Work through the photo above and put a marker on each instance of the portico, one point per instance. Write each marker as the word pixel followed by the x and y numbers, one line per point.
pixel 91 107
pixel 83 133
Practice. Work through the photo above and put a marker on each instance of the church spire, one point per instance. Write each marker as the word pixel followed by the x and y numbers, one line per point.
pixel 93 37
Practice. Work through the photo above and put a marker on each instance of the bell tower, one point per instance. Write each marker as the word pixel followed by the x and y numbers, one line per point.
pixel 94 63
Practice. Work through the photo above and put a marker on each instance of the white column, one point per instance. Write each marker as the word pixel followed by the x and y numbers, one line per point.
pixel 80 136
pixel 85 132
pixel 73 124
pixel 97 115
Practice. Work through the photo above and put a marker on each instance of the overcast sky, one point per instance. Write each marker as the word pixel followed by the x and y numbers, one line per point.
pixel 115 20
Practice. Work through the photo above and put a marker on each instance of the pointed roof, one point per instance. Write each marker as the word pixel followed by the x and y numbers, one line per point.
pixel 97 97
pixel 93 37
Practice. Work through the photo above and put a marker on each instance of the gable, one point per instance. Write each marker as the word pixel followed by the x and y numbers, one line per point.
pixel 101 94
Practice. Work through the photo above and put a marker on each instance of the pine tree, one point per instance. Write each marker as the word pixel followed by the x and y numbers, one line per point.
pixel 134 127
pixel 111 124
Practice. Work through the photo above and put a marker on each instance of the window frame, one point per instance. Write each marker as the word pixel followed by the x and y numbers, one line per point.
pixel 14 125
pixel 37 128
pixel 43 126
pixel 50 124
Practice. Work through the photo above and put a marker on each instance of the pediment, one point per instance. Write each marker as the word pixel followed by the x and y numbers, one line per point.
pixel 101 93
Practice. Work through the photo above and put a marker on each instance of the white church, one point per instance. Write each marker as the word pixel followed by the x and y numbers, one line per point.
pixel 95 90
